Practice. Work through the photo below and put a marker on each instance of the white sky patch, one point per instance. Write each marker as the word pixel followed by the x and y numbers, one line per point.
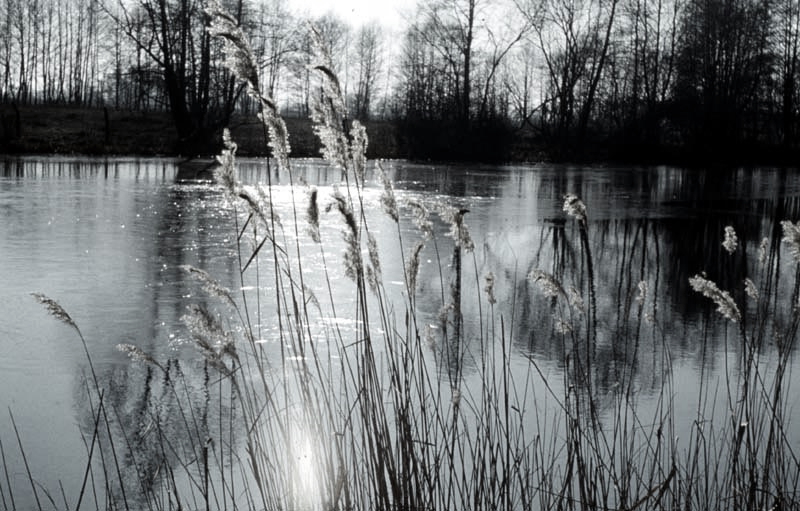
pixel 389 13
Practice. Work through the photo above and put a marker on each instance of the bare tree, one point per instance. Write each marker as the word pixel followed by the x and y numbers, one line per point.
pixel 520 83
pixel 787 50
pixel 449 27
pixel 723 63
pixel 172 34
pixel 275 40
pixel 6 48
pixel 368 61
pixel 574 39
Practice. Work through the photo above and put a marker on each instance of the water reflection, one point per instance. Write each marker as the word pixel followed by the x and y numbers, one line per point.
pixel 109 238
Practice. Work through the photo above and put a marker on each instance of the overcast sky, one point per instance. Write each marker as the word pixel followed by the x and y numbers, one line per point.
pixel 357 12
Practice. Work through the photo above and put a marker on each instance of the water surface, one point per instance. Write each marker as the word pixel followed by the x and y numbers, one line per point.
pixel 107 239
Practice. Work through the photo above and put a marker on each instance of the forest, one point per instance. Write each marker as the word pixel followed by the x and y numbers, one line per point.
pixel 565 80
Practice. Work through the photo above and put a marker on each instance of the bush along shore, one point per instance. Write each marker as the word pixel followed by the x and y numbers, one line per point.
pixel 371 423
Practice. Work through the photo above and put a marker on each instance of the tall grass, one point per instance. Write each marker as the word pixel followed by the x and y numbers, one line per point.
pixel 363 418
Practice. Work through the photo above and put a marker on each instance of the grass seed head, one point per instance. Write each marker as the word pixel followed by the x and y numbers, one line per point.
pixel 374 275
pixel 458 229
pixel 791 236
pixel 548 284
pixel 139 355
pixel 420 216
pixel 751 289
pixel 412 267
pixel 762 250
pixel 724 301
pixel 642 296
pixel 563 327
pixel 576 300
pixel 54 309
pixel 574 207
pixel 489 287
pixel 731 242
pixel 210 284
pixel 388 200
pixel 312 215
pixel 353 263
pixel 225 173
pixel 358 150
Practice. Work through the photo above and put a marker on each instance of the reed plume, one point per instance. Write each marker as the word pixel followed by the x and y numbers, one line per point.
pixel 55 309
pixel 762 250
pixel 420 216
pixel 210 284
pixel 388 200
pixel 751 289
pixel 225 173
pixel 731 242
pixel 459 231
pixel 137 354
pixel 312 215
pixel 412 268
pixel 643 290
pixel 488 287
pixel 548 284
pixel 353 262
pixel 791 236
pixel 723 300
pixel 374 274
pixel 574 207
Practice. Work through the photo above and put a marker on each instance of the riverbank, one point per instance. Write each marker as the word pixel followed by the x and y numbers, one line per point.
pixel 99 131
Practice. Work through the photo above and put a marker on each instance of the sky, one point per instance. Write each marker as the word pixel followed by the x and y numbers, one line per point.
pixel 357 12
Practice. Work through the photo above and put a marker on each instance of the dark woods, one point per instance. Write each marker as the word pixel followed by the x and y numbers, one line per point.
pixel 637 80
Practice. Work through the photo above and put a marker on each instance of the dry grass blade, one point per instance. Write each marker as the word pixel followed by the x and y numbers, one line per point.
pixel 25 460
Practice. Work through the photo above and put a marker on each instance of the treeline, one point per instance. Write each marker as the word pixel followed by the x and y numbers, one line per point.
pixel 462 79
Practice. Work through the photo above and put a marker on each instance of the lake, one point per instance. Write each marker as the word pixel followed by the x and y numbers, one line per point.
pixel 109 240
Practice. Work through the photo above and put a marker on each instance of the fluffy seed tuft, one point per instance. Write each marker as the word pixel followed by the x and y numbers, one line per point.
pixel 489 287
pixel 54 309
pixel 388 200
pixel 312 215
pixel 574 207
pixel 731 242
pixel 751 289
pixel 548 284
pixel 458 229
pixel 725 304
pixel 791 236
pixel 139 355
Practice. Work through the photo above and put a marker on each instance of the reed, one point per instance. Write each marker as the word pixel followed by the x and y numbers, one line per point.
pixel 366 419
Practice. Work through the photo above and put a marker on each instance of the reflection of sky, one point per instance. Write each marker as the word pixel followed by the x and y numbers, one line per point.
pixel 107 242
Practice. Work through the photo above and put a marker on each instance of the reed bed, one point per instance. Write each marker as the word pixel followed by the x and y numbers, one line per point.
pixel 381 416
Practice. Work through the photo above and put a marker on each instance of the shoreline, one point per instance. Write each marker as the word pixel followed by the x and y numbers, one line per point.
pixel 65 130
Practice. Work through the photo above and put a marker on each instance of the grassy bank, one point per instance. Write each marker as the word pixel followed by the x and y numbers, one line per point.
pixel 40 129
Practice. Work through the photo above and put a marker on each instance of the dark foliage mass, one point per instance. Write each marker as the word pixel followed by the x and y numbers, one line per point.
pixel 639 80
